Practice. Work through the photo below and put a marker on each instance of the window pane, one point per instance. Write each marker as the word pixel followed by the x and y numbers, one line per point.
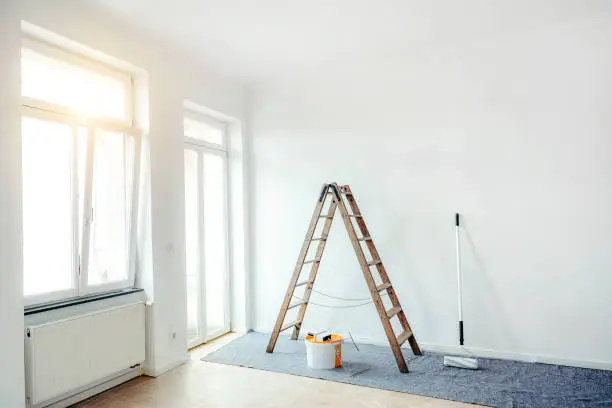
pixel 215 240
pixel 71 86
pixel 108 254
pixel 192 247
pixel 48 256
pixel 203 131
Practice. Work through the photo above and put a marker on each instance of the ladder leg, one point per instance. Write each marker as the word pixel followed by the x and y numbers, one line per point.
pixel 382 272
pixel 278 326
pixel 367 273
pixel 414 345
pixel 395 346
pixel 315 268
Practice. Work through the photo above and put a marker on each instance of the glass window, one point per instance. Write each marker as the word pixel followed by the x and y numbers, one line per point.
pixel 192 247
pixel 48 219
pixel 109 220
pixel 204 130
pixel 78 178
pixel 67 85
pixel 215 240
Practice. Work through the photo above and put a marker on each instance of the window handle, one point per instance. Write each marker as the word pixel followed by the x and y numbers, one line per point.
pixel 89 218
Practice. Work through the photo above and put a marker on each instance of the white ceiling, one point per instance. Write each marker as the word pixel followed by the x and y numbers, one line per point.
pixel 251 38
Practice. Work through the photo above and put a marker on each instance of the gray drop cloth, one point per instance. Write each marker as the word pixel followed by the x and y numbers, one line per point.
pixel 498 383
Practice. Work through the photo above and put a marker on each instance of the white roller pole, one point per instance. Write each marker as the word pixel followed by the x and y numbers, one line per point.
pixel 459 294
pixel 450 361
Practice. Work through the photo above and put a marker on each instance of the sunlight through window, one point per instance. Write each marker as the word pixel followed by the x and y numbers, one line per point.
pixel 78 175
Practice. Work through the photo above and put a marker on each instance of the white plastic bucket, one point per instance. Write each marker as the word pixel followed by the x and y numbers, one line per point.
pixel 324 355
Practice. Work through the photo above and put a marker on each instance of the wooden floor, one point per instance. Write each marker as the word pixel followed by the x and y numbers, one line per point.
pixel 199 384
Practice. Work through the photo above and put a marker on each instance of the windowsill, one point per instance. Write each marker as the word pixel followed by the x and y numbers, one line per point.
pixel 58 304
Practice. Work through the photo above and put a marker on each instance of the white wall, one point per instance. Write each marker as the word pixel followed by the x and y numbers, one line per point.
pixel 11 277
pixel 513 131
pixel 172 78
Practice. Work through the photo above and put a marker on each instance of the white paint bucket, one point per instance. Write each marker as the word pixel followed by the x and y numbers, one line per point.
pixel 324 355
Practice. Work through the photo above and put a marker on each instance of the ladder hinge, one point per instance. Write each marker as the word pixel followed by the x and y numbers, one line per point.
pixel 336 191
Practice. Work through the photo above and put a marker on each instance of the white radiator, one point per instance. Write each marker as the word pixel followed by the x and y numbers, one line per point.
pixel 66 356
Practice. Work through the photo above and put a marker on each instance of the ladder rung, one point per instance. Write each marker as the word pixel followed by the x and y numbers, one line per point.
pixel 319 239
pixel 300 303
pixel 302 283
pixel 340 191
pixel 312 261
pixel 355 215
pixel 393 311
pixel 374 262
pixel 383 286
pixel 289 325
pixel 406 334
pixel 365 239
pixel 326 216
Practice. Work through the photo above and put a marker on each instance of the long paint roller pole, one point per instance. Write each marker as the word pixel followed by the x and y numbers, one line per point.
pixel 452 361
pixel 459 297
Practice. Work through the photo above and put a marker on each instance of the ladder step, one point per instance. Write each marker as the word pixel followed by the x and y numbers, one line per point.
pixel 383 286
pixel 319 239
pixel 393 311
pixel 406 334
pixel 300 303
pixel 341 192
pixel 302 283
pixel 312 261
pixel 365 239
pixel 326 216
pixel 289 325
pixel 374 262
pixel 355 215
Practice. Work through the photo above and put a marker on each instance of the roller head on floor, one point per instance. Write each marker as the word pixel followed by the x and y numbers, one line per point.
pixel 461 362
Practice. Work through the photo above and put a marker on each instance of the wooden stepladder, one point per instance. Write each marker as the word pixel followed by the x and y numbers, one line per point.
pixel 341 196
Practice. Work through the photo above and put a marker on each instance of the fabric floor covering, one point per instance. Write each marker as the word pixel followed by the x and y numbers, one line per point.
pixel 498 383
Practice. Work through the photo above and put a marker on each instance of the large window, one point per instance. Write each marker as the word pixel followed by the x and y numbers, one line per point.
pixel 80 164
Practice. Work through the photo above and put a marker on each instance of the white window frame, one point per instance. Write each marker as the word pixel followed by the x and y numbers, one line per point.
pixel 43 110
pixel 200 147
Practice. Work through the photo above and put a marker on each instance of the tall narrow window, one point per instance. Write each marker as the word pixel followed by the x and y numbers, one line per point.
pixel 48 218
pixel 192 246
pixel 80 161
pixel 206 226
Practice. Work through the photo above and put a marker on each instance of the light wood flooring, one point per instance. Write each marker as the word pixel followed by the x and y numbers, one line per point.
pixel 198 384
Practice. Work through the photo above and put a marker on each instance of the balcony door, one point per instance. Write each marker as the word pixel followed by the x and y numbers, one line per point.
pixel 206 226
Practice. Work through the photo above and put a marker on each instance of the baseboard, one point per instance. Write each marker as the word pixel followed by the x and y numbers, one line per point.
pixel 598 365
pixel 89 391
pixel 507 355
pixel 476 352
pixel 156 372
pixel 490 353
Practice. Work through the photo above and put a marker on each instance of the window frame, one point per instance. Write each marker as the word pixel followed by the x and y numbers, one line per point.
pixel 45 111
